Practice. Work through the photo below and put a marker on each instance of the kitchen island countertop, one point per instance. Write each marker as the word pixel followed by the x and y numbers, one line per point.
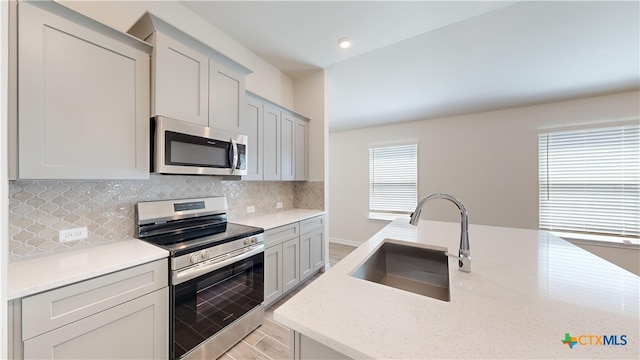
pixel 527 289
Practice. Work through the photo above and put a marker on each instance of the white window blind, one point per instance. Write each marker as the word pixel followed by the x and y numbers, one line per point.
pixel 589 180
pixel 393 179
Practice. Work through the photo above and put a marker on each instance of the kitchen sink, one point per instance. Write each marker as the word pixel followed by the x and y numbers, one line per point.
pixel 422 270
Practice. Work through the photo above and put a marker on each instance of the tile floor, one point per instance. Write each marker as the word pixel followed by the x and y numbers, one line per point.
pixel 271 341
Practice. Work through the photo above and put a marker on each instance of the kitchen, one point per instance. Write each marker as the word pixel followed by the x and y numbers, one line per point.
pixel 306 101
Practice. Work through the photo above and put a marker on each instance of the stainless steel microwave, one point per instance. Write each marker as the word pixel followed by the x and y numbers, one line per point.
pixel 184 148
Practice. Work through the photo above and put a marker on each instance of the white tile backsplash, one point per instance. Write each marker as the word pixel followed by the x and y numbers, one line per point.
pixel 39 209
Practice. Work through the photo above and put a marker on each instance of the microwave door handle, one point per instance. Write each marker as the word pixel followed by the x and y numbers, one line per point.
pixel 234 149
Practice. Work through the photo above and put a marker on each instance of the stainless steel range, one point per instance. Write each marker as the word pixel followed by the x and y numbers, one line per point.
pixel 216 276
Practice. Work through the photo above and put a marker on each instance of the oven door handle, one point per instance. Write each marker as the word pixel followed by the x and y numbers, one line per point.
pixel 193 272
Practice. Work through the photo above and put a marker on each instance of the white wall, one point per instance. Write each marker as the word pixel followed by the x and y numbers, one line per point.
pixel 266 80
pixel 489 161
pixel 309 101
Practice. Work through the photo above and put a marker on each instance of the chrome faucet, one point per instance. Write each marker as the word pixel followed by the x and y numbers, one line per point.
pixel 464 254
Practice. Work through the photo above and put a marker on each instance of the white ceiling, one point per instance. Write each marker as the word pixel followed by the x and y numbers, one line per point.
pixel 416 60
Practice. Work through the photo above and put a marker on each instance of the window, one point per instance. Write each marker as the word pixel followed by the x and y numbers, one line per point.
pixel 589 180
pixel 393 181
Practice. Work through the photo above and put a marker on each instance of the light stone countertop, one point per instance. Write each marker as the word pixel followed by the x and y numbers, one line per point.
pixel 41 273
pixel 281 218
pixel 46 272
pixel 526 290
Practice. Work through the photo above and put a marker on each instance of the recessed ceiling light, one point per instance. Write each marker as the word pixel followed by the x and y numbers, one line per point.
pixel 344 42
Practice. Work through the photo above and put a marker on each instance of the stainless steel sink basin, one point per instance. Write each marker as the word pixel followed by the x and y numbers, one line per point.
pixel 420 270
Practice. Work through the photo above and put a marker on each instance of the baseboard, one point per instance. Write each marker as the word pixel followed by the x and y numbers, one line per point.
pixel 344 242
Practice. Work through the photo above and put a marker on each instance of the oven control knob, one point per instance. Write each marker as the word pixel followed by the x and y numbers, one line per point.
pixel 254 240
pixel 247 241
pixel 205 254
pixel 194 258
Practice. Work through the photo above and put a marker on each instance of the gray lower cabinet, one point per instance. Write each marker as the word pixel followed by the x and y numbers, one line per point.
pixel 290 264
pixel 281 261
pixel 311 253
pixel 122 315
pixel 305 347
pixel 293 253
pixel 306 255
pixel 134 330
pixel 272 274
pixel 317 249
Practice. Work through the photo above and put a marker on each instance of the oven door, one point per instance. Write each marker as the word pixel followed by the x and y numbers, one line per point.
pixel 185 148
pixel 205 302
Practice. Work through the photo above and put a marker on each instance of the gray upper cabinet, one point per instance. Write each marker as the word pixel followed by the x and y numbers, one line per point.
pixel 82 97
pixel 301 149
pixel 191 81
pixel 253 128
pixel 288 146
pixel 281 141
pixel 226 98
pixel 272 123
pixel 181 85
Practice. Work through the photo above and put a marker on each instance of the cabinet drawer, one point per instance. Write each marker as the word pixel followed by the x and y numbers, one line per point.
pixel 311 224
pixel 52 309
pixel 281 234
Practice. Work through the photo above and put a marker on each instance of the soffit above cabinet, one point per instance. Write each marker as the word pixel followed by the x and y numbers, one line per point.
pixel 148 23
pixel 276 105
pixel 61 9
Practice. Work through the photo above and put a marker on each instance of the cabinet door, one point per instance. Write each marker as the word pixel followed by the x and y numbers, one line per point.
pixel 137 329
pixel 301 152
pixel 288 146
pixel 290 264
pixel 252 127
pixel 306 257
pixel 272 274
pixel 83 100
pixel 58 307
pixel 226 98
pixel 181 87
pixel 271 143
pixel 317 249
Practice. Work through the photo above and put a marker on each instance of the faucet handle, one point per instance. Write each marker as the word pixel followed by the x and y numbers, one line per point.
pixel 464 260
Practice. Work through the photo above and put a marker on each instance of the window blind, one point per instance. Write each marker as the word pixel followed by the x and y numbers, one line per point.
pixel 393 179
pixel 589 180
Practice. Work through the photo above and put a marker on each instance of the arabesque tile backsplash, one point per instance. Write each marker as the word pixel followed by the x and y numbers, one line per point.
pixel 39 209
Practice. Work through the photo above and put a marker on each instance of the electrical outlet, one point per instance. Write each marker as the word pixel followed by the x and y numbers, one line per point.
pixel 251 209
pixel 73 234
pixel 279 205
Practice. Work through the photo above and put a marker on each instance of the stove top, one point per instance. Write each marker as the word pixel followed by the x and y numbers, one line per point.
pixel 228 232
pixel 188 225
